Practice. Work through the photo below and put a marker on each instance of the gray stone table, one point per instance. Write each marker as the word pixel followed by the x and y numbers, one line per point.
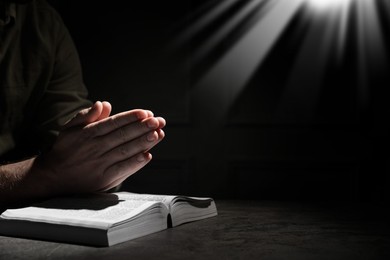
pixel 243 230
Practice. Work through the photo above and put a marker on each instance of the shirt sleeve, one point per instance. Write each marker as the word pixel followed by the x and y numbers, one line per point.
pixel 65 93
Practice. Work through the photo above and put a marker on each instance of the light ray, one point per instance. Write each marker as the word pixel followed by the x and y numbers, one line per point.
pixel 343 28
pixel 302 91
pixel 371 48
pixel 205 20
pixel 336 11
pixel 224 81
pixel 218 36
pixel 324 6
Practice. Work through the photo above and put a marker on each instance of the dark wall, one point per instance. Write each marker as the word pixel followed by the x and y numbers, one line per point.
pixel 287 134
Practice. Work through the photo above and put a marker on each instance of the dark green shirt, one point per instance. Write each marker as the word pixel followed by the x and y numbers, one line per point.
pixel 41 85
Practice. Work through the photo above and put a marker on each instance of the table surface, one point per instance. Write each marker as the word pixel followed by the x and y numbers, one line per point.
pixel 243 230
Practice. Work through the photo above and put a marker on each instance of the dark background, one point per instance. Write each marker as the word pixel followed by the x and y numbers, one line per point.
pixel 338 151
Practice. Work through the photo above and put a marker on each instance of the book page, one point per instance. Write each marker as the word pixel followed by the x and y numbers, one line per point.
pixel 99 211
pixel 166 199
pixel 169 200
pixel 186 209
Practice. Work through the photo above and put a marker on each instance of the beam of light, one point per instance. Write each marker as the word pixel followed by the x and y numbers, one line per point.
pixel 343 28
pixel 332 11
pixel 205 20
pixel 326 34
pixel 224 81
pixel 371 48
pixel 221 33
pixel 327 5
pixel 303 89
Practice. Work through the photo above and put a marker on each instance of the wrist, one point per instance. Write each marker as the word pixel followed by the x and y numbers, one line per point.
pixel 23 182
pixel 39 179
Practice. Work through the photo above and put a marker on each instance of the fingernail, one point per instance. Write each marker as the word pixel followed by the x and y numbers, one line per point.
pixel 140 158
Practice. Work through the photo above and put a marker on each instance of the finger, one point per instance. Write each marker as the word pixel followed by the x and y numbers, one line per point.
pixel 128 133
pixel 130 149
pixel 106 111
pixel 161 135
pixel 120 171
pixel 86 116
pixel 161 122
pixel 150 113
pixel 117 121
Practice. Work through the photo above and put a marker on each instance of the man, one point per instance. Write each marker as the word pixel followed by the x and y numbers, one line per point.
pixel 53 140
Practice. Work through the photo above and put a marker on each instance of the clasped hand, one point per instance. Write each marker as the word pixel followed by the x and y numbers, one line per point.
pixel 96 151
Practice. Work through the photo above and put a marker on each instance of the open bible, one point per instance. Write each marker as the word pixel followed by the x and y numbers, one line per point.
pixel 103 219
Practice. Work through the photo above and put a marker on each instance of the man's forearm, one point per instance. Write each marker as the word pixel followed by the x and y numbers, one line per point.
pixel 21 182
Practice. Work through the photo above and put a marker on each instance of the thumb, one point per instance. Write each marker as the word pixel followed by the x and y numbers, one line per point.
pixel 86 116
